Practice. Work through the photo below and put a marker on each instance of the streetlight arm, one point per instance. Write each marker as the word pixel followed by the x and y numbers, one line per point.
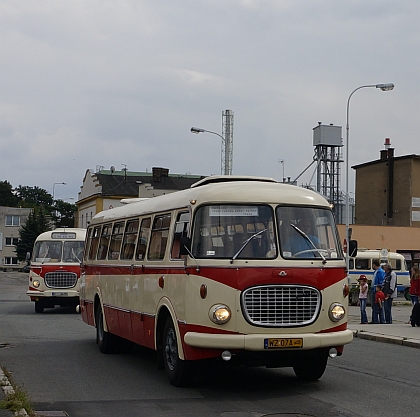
pixel 383 87
pixel 198 130
pixel 57 183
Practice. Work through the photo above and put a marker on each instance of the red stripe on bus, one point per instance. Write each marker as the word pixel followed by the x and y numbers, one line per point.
pixel 44 269
pixel 239 277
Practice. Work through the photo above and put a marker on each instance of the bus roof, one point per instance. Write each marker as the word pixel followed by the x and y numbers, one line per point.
pixel 228 178
pixel 376 253
pixel 230 191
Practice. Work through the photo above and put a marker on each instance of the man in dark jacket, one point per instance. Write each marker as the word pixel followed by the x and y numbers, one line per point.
pixel 390 291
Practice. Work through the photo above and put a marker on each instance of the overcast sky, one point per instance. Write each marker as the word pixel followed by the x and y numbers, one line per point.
pixel 88 83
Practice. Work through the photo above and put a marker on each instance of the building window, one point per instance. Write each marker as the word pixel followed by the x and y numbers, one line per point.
pixel 12 220
pixel 11 241
pixel 9 260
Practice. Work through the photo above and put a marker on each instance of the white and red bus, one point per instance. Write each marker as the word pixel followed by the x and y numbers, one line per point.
pixel 216 271
pixel 54 274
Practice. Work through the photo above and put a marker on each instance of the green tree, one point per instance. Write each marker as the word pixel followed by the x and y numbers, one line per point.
pixel 7 197
pixel 64 213
pixel 36 224
pixel 34 197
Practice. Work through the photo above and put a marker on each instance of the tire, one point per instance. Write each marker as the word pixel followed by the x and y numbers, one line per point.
pixel 39 308
pixel 106 341
pixel 177 370
pixel 311 366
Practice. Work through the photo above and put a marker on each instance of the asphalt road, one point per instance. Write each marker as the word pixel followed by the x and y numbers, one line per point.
pixel 53 356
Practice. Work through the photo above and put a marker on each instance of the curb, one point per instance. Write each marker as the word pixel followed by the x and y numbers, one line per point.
pixel 8 390
pixel 402 341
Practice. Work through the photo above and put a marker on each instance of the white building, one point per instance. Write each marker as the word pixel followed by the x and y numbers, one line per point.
pixel 11 220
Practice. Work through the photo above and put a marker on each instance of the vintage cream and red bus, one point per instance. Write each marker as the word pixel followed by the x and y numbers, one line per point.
pixel 54 275
pixel 214 272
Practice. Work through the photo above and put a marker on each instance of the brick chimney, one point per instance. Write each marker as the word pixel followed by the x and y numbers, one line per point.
pixel 159 173
pixel 388 152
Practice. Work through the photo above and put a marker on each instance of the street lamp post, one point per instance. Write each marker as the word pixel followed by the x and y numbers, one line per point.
pixel 383 87
pixel 281 161
pixel 57 183
pixel 197 130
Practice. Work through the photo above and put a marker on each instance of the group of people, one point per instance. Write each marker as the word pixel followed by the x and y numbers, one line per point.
pixel 383 291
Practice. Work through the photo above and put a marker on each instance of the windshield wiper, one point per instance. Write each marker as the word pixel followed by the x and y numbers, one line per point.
pixel 305 236
pixel 74 254
pixel 246 243
pixel 45 256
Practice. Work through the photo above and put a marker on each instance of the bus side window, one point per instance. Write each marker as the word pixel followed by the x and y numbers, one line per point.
pixel 159 237
pixel 130 237
pixel 143 239
pixel 116 239
pixel 351 263
pixel 397 265
pixel 181 230
pixel 104 241
pixel 363 264
pixel 93 241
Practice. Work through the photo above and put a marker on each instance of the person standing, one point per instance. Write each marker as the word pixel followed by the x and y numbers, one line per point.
pixel 378 279
pixel 390 291
pixel 379 306
pixel 363 293
pixel 414 285
pixel 414 290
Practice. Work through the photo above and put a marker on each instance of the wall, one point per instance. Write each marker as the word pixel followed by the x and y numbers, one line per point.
pixel 389 237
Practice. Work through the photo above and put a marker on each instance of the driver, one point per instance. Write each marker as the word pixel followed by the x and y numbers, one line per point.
pixel 297 243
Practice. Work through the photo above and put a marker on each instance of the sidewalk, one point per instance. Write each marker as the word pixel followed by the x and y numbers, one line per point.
pixel 399 332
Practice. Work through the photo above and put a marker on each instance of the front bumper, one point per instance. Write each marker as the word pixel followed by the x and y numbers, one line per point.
pixel 255 342
pixel 53 293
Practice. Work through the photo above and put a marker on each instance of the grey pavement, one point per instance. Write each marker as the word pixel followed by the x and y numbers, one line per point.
pixel 400 332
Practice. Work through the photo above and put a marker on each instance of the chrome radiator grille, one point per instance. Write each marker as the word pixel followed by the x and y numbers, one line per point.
pixel 281 305
pixel 60 279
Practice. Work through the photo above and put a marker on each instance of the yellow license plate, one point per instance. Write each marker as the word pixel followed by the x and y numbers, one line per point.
pixel 283 343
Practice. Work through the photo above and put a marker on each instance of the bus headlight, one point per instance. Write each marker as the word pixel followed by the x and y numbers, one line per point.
pixel 336 312
pixel 36 283
pixel 220 314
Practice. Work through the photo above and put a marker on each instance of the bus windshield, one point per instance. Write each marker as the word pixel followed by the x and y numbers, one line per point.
pixel 307 233
pixel 49 251
pixel 234 231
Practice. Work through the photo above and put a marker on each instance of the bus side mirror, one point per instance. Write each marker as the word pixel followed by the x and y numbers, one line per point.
pixel 28 256
pixel 353 248
pixel 185 248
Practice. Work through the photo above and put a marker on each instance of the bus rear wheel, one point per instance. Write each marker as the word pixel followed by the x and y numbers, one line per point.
pixel 311 366
pixel 106 341
pixel 177 370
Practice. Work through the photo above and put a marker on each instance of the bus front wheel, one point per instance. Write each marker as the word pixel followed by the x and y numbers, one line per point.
pixel 39 308
pixel 311 366
pixel 106 341
pixel 177 370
